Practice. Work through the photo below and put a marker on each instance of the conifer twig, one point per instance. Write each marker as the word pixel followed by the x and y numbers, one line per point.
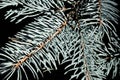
pixel 85 60
pixel 86 69
pixel 40 46
pixel 100 13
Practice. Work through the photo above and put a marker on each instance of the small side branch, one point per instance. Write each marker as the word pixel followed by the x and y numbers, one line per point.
pixel 100 12
pixel 40 46
pixel 86 68
pixel 87 74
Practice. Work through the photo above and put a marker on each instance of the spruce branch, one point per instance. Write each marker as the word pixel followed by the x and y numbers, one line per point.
pixel 85 60
pixel 100 12
pixel 71 32
pixel 87 71
pixel 40 46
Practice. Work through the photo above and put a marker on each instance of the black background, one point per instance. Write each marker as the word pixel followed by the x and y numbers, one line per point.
pixel 8 29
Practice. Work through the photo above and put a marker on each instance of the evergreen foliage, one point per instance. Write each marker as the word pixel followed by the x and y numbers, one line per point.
pixel 79 33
